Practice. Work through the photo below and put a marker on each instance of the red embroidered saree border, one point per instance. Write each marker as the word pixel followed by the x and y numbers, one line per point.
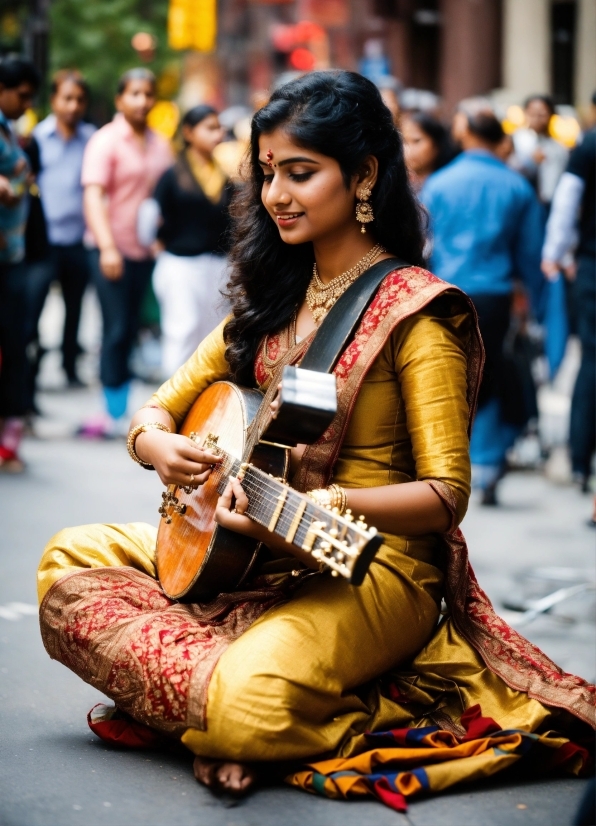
pixel 519 663
pixel 117 630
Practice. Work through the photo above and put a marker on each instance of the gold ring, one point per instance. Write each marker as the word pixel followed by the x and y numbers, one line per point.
pixel 192 478
pixel 233 510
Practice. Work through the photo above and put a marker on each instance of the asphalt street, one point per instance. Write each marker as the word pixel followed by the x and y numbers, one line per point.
pixel 54 772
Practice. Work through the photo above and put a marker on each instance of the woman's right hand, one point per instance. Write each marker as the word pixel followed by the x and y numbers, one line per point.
pixel 177 459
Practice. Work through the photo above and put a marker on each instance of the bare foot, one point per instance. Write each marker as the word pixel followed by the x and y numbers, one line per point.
pixel 234 778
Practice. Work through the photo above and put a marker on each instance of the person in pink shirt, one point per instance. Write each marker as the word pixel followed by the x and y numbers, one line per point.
pixel 121 165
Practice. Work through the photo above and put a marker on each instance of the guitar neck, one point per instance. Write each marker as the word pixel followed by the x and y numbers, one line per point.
pixel 272 503
pixel 337 541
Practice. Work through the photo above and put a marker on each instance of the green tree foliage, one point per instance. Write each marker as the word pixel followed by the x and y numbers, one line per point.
pixel 94 36
pixel 12 24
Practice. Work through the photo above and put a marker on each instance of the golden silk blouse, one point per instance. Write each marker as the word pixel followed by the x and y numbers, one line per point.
pixel 410 419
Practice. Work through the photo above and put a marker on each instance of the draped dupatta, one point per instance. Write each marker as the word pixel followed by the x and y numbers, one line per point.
pixel 520 664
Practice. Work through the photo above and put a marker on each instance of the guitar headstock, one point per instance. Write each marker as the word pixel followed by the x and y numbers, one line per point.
pixel 344 545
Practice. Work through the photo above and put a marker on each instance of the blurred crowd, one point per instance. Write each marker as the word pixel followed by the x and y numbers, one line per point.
pixel 510 219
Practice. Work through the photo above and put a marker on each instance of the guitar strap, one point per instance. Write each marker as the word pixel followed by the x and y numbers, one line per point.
pixel 330 340
pixel 341 322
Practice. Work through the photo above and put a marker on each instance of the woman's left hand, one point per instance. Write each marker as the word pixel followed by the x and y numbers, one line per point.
pixel 234 519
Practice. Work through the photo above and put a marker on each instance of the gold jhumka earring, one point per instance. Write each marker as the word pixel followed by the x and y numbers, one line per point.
pixel 364 210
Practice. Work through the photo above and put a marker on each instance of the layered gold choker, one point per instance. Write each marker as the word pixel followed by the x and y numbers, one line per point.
pixel 320 297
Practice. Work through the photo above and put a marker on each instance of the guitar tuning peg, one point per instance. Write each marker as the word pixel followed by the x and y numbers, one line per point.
pixel 334 573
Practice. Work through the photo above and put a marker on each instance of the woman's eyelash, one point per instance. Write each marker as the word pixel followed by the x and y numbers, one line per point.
pixel 299 177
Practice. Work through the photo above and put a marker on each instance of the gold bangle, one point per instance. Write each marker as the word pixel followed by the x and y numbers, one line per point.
pixel 132 437
pixel 333 498
pixel 339 499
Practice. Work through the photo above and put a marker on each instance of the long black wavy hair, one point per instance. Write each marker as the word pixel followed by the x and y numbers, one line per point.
pixel 341 115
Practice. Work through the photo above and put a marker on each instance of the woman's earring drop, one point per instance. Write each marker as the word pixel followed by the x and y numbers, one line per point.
pixel 364 210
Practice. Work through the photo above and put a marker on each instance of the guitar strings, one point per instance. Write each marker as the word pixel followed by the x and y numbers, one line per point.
pixel 263 493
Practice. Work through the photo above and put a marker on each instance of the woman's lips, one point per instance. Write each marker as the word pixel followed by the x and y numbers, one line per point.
pixel 288 219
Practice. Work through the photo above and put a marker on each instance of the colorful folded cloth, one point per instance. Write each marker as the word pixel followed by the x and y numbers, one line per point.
pixel 402 763
pixel 410 761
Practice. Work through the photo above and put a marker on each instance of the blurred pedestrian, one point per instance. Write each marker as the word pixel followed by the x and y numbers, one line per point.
pixel 19 81
pixel 576 196
pixel 122 163
pixel 193 197
pixel 390 87
pixel 62 138
pixel 538 156
pixel 486 230
pixel 428 146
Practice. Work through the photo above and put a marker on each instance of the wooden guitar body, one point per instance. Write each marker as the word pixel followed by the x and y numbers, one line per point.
pixel 197 559
pixel 189 567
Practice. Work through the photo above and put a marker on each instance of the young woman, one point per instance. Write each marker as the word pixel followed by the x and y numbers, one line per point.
pixel 122 163
pixel 194 197
pixel 290 667
pixel 427 146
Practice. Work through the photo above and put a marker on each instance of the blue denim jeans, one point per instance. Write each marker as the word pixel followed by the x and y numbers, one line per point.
pixel 582 426
pixel 13 340
pixel 69 265
pixel 120 303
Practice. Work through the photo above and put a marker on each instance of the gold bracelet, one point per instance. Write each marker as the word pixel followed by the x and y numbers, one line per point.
pixel 339 498
pixel 132 437
pixel 333 498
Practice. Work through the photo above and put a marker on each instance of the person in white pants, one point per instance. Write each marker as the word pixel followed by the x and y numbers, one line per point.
pixel 188 289
pixel 192 198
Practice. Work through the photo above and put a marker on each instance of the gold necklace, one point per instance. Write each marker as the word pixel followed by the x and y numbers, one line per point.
pixel 320 297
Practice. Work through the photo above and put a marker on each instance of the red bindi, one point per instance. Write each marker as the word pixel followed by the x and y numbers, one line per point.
pixel 269 157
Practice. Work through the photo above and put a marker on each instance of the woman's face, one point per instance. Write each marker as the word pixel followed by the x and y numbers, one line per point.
pixel 205 136
pixel 136 101
pixel 419 150
pixel 304 192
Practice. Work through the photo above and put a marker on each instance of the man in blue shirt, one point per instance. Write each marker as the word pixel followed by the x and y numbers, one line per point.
pixel 19 80
pixel 487 230
pixel 61 139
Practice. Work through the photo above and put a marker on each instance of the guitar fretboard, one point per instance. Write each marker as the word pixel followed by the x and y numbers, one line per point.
pixel 276 506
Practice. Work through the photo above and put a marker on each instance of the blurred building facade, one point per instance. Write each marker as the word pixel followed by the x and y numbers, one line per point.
pixel 232 50
pixel 454 48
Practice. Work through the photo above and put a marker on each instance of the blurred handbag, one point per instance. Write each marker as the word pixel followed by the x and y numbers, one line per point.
pixel 36 234
pixel 556 323
pixel 517 389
